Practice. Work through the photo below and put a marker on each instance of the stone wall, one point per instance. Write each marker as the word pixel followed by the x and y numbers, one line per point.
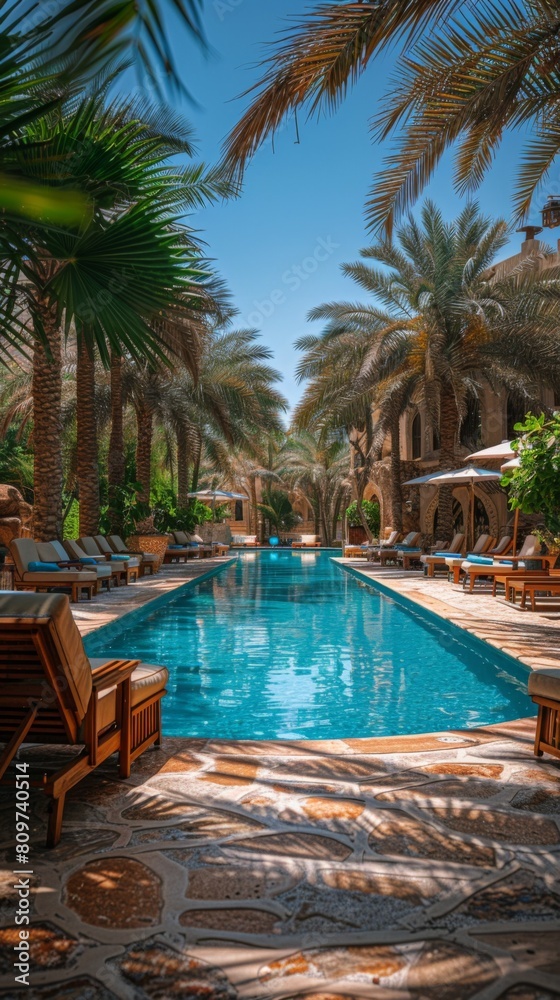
pixel 16 516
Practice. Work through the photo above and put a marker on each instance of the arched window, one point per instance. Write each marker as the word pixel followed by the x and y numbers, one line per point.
pixel 239 510
pixel 417 436
pixel 516 410
pixel 471 427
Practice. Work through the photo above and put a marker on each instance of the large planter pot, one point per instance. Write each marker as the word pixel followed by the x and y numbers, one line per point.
pixel 356 534
pixel 149 543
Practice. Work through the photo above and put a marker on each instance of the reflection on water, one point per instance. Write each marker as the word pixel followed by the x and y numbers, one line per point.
pixel 289 646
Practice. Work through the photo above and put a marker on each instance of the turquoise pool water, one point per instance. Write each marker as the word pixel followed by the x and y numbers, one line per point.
pixel 290 646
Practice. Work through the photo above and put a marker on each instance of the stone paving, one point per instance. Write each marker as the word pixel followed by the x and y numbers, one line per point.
pixel 399 868
pixel 107 607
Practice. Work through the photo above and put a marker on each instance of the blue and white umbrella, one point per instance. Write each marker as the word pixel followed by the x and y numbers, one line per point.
pixel 211 496
pixel 469 475
pixel 221 495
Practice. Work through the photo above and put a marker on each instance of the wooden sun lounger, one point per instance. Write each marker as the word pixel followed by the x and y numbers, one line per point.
pixel 408 558
pixel 25 552
pixel 393 554
pixel 50 692
pixel 438 560
pixel 354 551
pixel 527 586
pixel 544 688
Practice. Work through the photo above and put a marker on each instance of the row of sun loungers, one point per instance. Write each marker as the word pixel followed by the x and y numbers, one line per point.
pixel 183 546
pixel 490 562
pixel 86 565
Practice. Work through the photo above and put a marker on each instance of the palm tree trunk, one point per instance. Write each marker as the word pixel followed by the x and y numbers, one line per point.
pixel 335 517
pixel 87 451
pixel 254 509
pixel 115 457
pixel 396 485
pixel 448 433
pixel 182 466
pixel 196 467
pixel 360 442
pixel 316 517
pixel 324 518
pixel 47 426
pixel 145 426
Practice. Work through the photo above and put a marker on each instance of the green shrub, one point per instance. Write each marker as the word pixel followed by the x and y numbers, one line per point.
pixel 534 487
pixel 372 515
pixel 71 527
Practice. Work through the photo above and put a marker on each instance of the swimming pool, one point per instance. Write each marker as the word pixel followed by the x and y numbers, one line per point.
pixel 290 646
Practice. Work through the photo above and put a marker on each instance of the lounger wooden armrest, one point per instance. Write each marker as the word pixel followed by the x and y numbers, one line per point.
pixel 112 672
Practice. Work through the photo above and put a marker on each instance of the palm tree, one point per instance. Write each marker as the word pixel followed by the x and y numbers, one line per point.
pixel 48 55
pixel 277 510
pixel 439 324
pixel 465 72
pixel 247 471
pixel 112 275
pixel 318 470
pixel 330 403
pixel 227 410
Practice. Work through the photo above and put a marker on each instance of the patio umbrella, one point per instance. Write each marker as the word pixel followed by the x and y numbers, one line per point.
pixel 496 453
pixel 499 452
pixel 222 496
pixel 213 495
pixel 458 477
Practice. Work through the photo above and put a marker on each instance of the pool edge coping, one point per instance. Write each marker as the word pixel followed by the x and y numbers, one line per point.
pixel 116 625
pixel 390 588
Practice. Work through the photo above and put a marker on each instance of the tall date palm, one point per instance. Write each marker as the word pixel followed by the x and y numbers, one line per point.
pixel 464 71
pixel 440 323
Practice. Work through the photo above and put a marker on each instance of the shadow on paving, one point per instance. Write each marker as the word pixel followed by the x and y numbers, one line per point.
pixel 303 871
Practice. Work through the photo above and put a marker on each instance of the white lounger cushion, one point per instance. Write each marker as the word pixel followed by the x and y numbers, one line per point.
pixel 545 683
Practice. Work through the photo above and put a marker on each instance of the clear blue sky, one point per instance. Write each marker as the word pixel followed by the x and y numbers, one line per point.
pixel 279 246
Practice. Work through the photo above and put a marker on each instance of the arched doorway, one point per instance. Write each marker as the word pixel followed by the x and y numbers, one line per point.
pixel 486 519
pixel 458 518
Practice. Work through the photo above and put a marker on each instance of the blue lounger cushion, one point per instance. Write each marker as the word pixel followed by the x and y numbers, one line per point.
pixel 175 546
pixel 89 561
pixel 484 561
pixel 42 567
pixel 446 555
pixel 120 558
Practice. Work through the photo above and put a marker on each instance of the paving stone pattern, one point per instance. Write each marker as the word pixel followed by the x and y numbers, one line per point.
pixel 325 873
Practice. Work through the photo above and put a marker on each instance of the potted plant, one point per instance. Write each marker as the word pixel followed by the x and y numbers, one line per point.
pixel 356 533
pixel 135 521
